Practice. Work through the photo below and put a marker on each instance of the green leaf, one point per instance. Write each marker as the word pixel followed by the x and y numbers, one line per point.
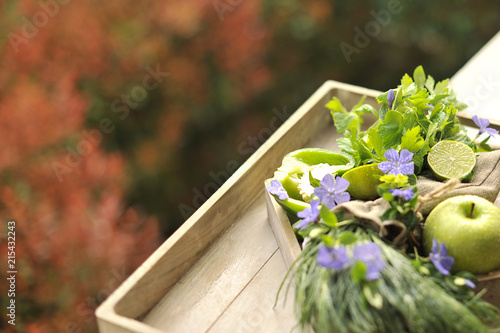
pixel 346 121
pixel 328 216
pixel 335 105
pixel 327 240
pixel 364 109
pixel 365 154
pixel 410 117
pixel 392 129
pixel 418 157
pixel 358 272
pixel 345 144
pixel 348 238
pixel 419 99
pixel 412 140
pixel 383 111
pixel 429 84
pixel 419 76
pixel 388 196
pixel 406 83
pixel 393 117
pixel 375 142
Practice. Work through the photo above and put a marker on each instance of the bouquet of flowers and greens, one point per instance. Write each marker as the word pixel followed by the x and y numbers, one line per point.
pixel 373 260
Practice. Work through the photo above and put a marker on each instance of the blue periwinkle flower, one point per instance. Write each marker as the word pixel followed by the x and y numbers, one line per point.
pixel 390 98
pixel 439 257
pixel 308 215
pixel 332 192
pixel 405 194
pixel 483 126
pixel 335 258
pixel 398 164
pixel 370 254
pixel 277 188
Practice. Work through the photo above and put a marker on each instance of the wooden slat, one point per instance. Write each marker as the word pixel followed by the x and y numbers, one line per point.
pixel 253 310
pixel 203 294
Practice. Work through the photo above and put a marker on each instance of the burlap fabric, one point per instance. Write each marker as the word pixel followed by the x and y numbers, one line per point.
pixel 484 183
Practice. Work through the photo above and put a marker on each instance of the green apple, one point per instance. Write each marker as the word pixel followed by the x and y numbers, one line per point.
pixel 470 227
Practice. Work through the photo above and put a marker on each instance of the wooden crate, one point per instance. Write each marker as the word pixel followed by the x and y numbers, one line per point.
pixel 219 272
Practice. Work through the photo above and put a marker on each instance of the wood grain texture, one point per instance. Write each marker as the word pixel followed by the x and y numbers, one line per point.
pixel 202 295
pixel 253 310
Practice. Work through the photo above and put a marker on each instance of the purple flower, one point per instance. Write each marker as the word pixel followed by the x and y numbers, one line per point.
pixel 276 188
pixel 390 98
pixel 470 284
pixel 439 257
pixel 430 106
pixel 370 255
pixel 405 194
pixel 332 192
pixel 397 164
pixel 335 258
pixel 483 126
pixel 308 215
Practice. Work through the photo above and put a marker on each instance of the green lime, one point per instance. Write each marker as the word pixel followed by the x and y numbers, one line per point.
pixel 451 159
pixel 298 162
pixel 363 181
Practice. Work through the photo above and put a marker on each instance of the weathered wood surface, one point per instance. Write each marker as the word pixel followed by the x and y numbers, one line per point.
pixel 220 271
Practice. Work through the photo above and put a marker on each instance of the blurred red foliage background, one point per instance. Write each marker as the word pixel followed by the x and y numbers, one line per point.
pixel 95 166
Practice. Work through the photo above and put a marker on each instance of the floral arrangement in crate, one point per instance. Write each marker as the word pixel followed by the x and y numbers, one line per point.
pixel 392 233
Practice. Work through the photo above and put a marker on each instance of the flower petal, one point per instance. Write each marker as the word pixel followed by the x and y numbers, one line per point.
pixel 372 275
pixel 491 131
pixel 335 258
pixel 341 184
pixel 321 193
pixel 407 168
pixel 483 122
pixel 444 265
pixel 304 213
pixel 390 97
pixel 405 156
pixel 434 248
pixel 329 202
pixel 392 155
pixel 314 206
pixel 470 284
pixel 328 182
pixel 475 119
pixel 442 250
pixel 385 166
pixel 301 224
pixel 340 198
